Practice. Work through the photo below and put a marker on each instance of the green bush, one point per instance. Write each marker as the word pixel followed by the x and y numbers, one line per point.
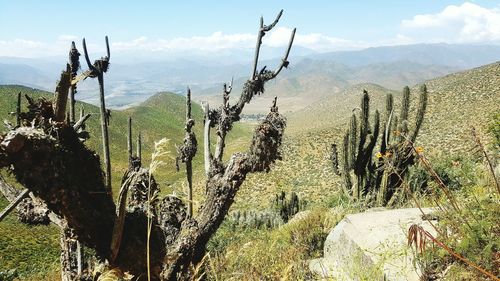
pixel 455 171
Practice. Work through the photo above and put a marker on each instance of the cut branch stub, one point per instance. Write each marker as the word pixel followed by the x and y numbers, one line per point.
pixel 74 60
pixel 62 95
pixel 187 152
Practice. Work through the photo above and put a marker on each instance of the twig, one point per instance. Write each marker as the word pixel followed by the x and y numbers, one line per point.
pixel 490 165
pixel 415 230
pixel 81 121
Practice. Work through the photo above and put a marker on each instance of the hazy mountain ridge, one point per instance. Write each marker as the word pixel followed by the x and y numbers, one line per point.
pixel 311 80
pixel 457 55
pixel 131 82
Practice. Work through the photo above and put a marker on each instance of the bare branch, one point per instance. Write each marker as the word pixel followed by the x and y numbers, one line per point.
pixel 89 64
pixel 97 70
pixel 107 48
pixel 81 122
pixel 284 60
pixel 14 203
pixel 262 31
pixel 206 138
pixel 271 26
pixel 116 238
pixel 187 151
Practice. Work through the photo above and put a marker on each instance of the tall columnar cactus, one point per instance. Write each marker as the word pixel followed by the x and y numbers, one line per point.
pixel 396 153
pixel 358 148
pixel 335 159
pixel 380 178
pixel 288 207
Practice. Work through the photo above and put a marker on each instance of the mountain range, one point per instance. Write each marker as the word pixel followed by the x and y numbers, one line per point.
pixel 310 75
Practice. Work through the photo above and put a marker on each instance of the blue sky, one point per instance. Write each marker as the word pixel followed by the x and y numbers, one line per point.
pixel 41 28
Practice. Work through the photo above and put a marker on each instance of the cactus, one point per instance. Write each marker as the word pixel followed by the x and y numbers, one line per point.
pixel 287 208
pixel 359 142
pixel 358 148
pixel 398 149
pixel 335 159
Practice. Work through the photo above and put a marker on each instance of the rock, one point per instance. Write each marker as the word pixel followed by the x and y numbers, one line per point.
pixel 371 246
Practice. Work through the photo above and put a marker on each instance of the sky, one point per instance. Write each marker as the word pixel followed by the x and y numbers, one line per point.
pixel 45 28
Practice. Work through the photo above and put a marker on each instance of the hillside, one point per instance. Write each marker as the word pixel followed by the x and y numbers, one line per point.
pixel 453 100
pixel 456 102
pixel 160 116
pixel 311 80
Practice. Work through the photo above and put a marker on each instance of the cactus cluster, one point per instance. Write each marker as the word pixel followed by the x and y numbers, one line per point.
pixel 282 209
pixel 378 175
pixel 255 219
pixel 287 207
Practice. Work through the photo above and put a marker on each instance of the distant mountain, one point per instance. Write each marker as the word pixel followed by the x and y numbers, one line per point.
pixel 132 79
pixel 23 74
pixel 455 55
pixel 311 80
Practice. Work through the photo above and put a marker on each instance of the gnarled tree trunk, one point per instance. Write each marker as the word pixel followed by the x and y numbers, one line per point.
pixel 47 156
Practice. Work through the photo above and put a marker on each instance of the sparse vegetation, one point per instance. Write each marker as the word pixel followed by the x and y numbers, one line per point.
pixel 89 209
pixel 379 175
pixel 468 242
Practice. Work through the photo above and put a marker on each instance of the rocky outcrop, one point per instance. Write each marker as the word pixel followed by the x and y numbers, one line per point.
pixel 371 246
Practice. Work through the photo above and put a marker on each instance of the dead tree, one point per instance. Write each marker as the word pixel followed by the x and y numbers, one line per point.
pixel 74 61
pixel 49 159
pixel 139 146
pixel 187 151
pixel 98 69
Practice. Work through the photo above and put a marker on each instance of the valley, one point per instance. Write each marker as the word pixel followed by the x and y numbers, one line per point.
pixel 312 128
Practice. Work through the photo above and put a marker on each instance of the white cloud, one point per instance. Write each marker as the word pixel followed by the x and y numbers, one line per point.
pixel 22 47
pixel 314 41
pixel 467 23
pixel 278 37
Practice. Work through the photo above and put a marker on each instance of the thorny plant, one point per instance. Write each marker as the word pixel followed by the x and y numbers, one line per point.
pixel 416 234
